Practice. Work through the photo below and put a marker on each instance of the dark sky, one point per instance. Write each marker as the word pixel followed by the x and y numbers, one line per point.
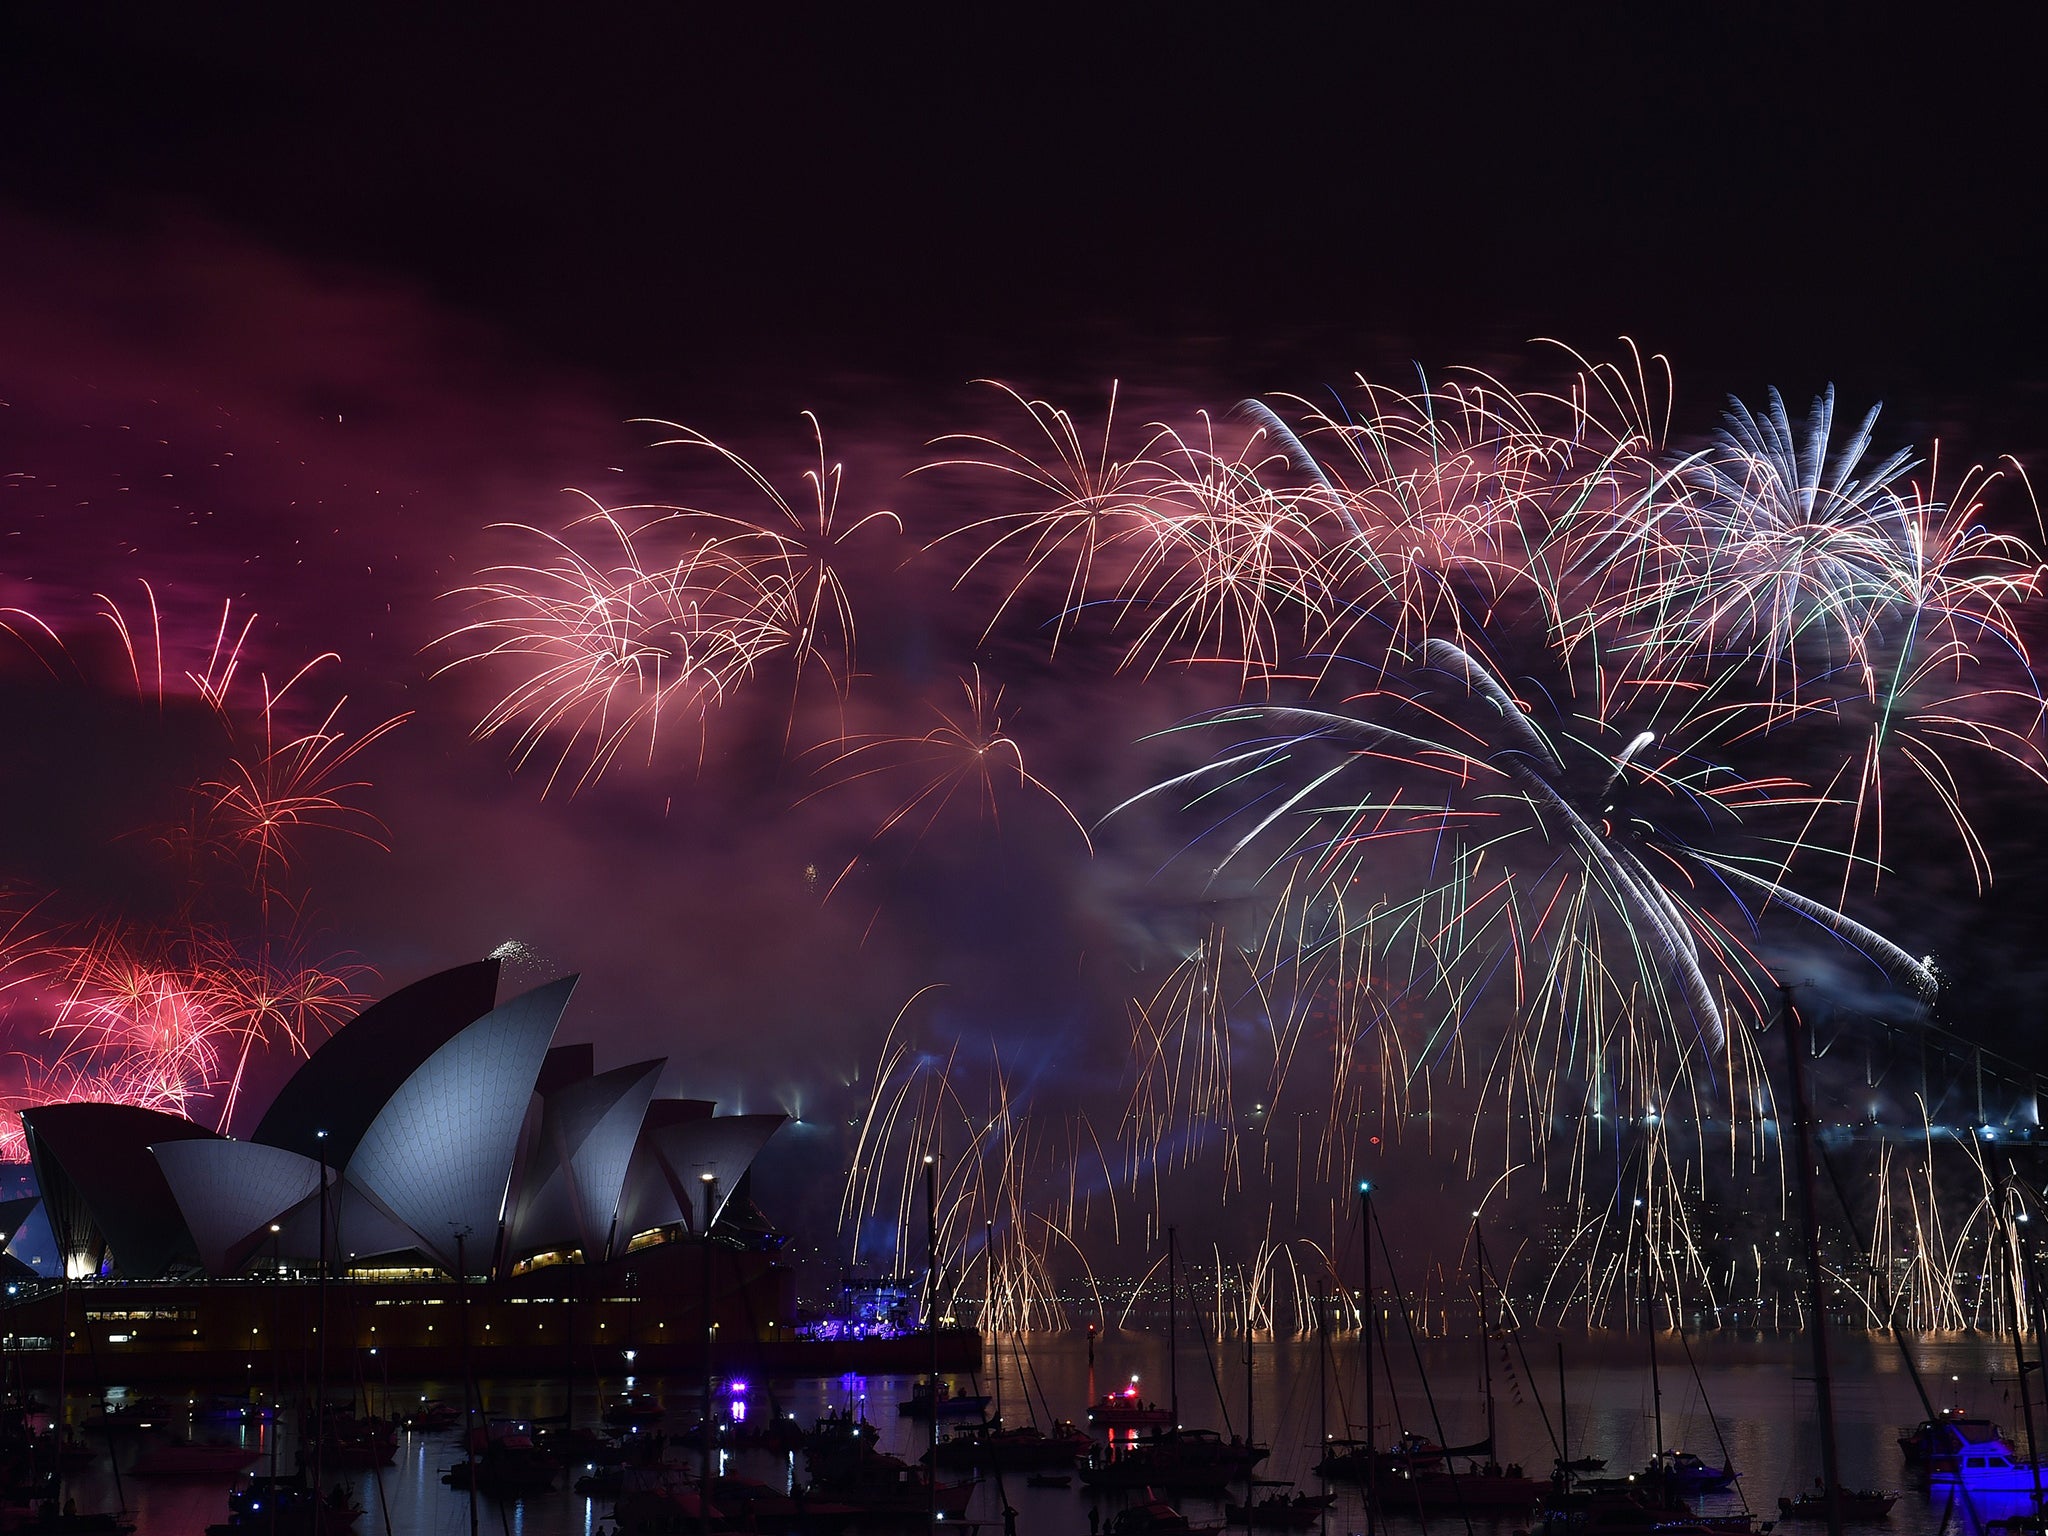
pixel 693 205
pixel 293 304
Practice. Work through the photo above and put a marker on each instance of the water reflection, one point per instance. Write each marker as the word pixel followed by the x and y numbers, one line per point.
pixel 1759 1391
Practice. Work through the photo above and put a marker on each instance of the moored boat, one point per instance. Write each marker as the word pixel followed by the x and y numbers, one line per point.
pixel 287 1506
pixel 1631 1510
pixel 1854 1504
pixel 1933 1444
pixel 1986 1465
pixel 923 1402
pixel 1128 1410
pixel 1492 1489
pixel 136 1413
pixel 502 1468
pixel 878 1484
pixel 1446 1489
pixel 1154 1517
pixel 432 1415
pixel 991 1448
pixel 48 1520
pixel 1278 1512
pixel 1181 1458
pixel 1687 1473
pixel 631 1410
pixel 1353 1461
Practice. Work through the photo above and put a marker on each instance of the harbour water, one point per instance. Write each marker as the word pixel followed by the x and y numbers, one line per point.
pixel 1759 1390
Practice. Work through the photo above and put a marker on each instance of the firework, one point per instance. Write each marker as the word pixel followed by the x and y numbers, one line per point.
pixel 1549 741
pixel 167 1010
pixel 633 622
pixel 966 757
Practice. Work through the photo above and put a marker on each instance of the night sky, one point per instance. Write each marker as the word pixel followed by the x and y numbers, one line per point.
pixel 294 307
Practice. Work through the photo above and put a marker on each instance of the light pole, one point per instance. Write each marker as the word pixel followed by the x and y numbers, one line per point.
pixel 988 1255
pixel 710 1183
pixel 931 1320
pixel 320 1332
pixel 469 1392
pixel 276 1357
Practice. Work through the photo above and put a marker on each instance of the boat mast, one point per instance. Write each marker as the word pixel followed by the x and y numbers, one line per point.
pixel 1650 1336
pixel 2019 1346
pixel 2028 1275
pixel 1323 1384
pixel 1249 1465
pixel 1091 1359
pixel 469 1390
pixel 995 1333
pixel 1564 1423
pixel 62 1420
pixel 931 1321
pixel 705 1428
pixel 1372 1469
pixel 1824 1391
pixel 320 1376
pixel 276 1357
pixel 1172 1336
pixel 1485 1361
pixel 569 1333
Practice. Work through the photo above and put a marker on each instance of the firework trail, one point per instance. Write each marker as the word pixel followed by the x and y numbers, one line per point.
pixel 167 1011
pixel 630 622
pixel 1010 1195
pixel 967 758
pixel 1548 734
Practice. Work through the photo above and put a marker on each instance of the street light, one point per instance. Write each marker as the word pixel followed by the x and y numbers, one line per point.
pixel 710 1183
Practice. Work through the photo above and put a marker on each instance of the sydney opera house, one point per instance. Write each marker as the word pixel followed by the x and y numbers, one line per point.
pixel 441 1147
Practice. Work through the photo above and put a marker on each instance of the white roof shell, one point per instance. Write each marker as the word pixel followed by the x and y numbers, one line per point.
pixel 570 1186
pixel 439 1154
pixel 231 1191
pixel 666 1183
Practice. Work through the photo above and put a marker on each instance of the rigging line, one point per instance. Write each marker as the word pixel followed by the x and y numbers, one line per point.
pixel 1528 1375
pixel 1712 1418
pixel 1415 1348
pixel 1891 1313
pixel 1215 1380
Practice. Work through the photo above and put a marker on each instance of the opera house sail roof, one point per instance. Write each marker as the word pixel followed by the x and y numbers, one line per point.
pixel 231 1191
pixel 569 1189
pixel 436 1114
pixel 347 1080
pixel 103 1191
pixel 438 1155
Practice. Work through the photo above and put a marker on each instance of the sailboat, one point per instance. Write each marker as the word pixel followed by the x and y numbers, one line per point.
pixel 1851 1504
pixel 1486 1485
pixel 1673 1474
pixel 989 1445
pixel 1280 1510
pixel 1175 1457
pixel 1413 1469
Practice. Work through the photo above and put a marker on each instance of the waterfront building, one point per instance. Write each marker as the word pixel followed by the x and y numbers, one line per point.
pixel 440 1148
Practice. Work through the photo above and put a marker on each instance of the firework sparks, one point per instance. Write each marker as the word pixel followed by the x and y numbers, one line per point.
pixel 966 757
pixel 638 620
pixel 167 1011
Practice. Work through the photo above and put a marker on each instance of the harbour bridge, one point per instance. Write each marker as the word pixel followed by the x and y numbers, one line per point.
pixel 1882 1079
